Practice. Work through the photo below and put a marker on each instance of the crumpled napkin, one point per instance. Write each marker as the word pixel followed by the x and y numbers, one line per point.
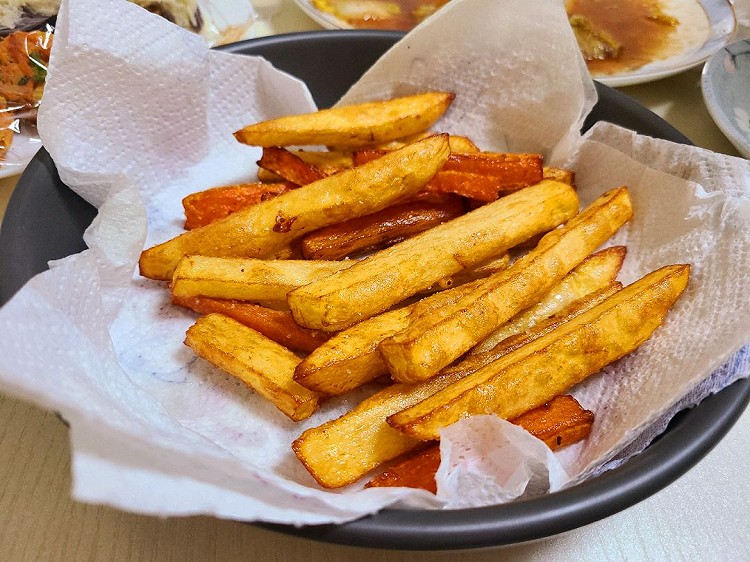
pixel 136 120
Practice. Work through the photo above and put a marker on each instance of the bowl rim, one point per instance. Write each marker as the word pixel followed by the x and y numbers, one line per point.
pixel 691 435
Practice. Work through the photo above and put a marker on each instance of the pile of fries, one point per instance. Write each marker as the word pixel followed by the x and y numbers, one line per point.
pixel 465 282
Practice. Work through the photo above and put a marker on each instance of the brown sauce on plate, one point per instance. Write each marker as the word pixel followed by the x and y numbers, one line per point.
pixel 400 15
pixel 639 29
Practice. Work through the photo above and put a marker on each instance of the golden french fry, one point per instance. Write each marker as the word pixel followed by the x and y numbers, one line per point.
pixel 350 358
pixel 343 450
pixel 534 373
pixel 472 363
pixel 352 125
pixel 247 279
pixel 267 229
pixel 559 174
pixel 262 364
pixel 327 161
pixel 391 275
pixel 439 337
pixel 345 441
pixel 594 273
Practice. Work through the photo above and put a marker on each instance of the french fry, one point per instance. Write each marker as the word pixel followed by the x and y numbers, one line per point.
pixel 277 325
pixel 327 161
pixel 594 273
pixel 268 228
pixel 534 373
pixel 352 125
pixel 439 337
pixel 210 205
pixel 386 226
pixel 559 174
pixel 341 451
pixel 514 340
pixel 559 423
pixel 247 279
pixel 391 275
pixel 350 358
pixel 482 176
pixel 260 363
pixel 332 451
pixel 289 166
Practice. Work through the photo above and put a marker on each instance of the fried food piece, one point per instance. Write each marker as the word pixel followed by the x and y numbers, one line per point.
pixel 439 337
pixel 341 451
pixel 593 274
pixel 277 325
pixel 391 275
pixel 559 174
pixel 327 161
pixel 472 363
pixel 289 166
pixel 210 205
pixel 534 373
pixel 559 423
pixel 390 225
pixel 352 125
pixel 262 364
pixel 247 279
pixel 350 358
pixel 482 176
pixel 331 452
pixel 267 229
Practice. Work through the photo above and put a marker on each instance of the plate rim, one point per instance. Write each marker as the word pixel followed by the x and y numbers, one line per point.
pixel 713 67
pixel 640 477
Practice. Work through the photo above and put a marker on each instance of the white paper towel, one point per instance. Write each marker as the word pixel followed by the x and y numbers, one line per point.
pixel 138 114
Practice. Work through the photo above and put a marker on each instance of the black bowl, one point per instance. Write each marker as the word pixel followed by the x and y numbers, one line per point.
pixel 45 221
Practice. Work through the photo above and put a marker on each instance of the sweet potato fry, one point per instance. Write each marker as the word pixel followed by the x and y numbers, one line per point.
pixel 268 228
pixel 482 176
pixel 593 274
pixel 277 325
pixel 559 423
pixel 289 166
pixel 391 275
pixel 262 364
pixel 210 205
pixel 413 355
pixel 247 279
pixel 534 373
pixel 378 229
pixel 352 125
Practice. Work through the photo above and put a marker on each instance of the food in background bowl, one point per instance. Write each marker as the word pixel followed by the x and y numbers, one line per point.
pixel 23 68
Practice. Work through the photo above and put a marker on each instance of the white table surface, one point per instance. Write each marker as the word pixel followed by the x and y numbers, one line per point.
pixel 704 515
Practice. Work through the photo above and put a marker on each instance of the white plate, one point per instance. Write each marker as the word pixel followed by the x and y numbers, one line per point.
pixel 19 155
pixel 726 90
pixel 721 21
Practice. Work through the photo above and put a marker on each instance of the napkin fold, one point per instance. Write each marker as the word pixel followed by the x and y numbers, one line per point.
pixel 138 114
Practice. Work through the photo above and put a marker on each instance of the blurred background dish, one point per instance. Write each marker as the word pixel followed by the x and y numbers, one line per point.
pixel 725 83
pixel 624 42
